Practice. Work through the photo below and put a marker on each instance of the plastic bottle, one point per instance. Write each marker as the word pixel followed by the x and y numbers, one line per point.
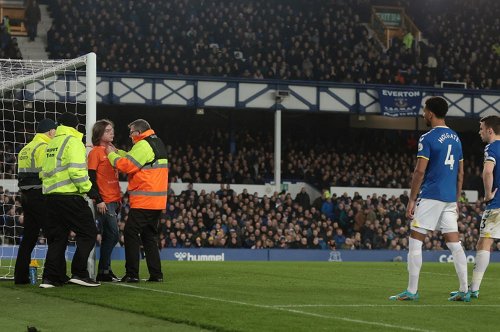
pixel 33 271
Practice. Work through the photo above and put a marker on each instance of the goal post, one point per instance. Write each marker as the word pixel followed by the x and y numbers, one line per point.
pixel 22 79
pixel 31 90
pixel 91 103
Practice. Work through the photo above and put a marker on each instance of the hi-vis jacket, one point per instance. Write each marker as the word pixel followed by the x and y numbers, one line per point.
pixel 29 162
pixel 64 171
pixel 147 175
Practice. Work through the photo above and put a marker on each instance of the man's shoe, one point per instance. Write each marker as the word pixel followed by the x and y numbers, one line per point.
pixel 107 277
pixel 103 277
pixel 404 296
pixel 461 296
pixel 46 283
pixel 87 282
pixel 152 279
pixel 473 294
pixel 114 277
pixel 129 279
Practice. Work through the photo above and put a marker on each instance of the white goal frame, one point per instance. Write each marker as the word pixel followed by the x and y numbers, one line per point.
pixel 49 69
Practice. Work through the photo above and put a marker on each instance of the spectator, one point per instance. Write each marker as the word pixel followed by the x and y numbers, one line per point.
pixel 303 199
pixel 32 17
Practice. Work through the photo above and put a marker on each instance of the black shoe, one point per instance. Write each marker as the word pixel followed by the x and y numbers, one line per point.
pixel 107 277
pixel 115 278
pixel 46 283
pixel 129 279
pixel 87 282
pixel 152 279
pixel 103 277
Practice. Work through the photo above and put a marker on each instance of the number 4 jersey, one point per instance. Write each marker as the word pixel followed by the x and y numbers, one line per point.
pixel 441 146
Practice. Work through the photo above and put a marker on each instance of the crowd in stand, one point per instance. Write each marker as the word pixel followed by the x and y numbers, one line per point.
pixel 358 157
pixel 8 161
pixel 347 158
pixel 326 41
pixel 463 39
pixel 225 219
pixel 8 45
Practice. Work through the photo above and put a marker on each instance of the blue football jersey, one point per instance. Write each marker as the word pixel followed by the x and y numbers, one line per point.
pixel 442 147
pixel 492 153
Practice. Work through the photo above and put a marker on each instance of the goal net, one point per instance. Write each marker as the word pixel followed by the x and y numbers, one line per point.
pixel 29 92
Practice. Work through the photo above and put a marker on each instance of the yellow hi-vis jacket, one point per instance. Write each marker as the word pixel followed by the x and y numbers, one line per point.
pixel 29 162
pixel 65 168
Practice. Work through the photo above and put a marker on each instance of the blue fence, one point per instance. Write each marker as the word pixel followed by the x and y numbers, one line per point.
pixel 219 255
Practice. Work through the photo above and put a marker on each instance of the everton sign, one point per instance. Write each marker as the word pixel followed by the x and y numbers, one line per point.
pixel 397 103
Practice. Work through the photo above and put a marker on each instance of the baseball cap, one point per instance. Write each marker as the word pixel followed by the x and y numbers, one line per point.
pixel 45 125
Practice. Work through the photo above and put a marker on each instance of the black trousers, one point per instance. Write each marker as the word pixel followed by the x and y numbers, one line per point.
pixel 142 225
pixel 35 216
pixel 65 213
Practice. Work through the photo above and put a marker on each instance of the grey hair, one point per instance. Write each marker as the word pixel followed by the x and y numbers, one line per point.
pixel 140 125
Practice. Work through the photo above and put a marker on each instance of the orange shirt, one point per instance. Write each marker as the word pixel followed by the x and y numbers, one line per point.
pixel 107 176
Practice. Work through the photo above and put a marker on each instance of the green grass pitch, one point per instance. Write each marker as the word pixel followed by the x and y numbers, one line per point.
pixel 258 296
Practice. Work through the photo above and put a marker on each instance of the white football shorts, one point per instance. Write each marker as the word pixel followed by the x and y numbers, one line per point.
pixel 434 215
pixel 490 224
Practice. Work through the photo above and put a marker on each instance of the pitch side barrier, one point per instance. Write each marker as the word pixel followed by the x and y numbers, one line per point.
pixel 283 255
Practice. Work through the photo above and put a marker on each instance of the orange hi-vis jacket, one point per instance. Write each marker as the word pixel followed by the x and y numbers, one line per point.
pixel 147 176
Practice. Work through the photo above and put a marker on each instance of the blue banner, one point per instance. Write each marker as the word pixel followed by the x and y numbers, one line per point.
pixel 397 102
pixel 297 255
pixel 213 255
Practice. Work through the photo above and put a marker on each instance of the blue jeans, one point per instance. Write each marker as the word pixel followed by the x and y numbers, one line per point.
pixel 109 230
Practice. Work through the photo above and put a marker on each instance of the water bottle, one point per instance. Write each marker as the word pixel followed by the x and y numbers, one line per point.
pixel 33 271
pixel 33 275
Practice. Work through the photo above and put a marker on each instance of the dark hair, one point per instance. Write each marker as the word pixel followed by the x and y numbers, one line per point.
pixel 98 130
pixel 493 122
pixel 140 125
pixel 68 119
pixel 438 106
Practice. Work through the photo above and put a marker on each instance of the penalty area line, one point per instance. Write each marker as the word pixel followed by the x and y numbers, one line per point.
pixel 285 309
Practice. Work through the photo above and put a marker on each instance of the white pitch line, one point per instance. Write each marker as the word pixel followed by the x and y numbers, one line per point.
pixel 351 320
pixel 384 305
pixel 359 321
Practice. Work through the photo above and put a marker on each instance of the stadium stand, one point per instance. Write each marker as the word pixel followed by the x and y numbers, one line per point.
pixel 331 41
pixel 361 156
pixel 8 45
pixel 224 219
pixel 352 158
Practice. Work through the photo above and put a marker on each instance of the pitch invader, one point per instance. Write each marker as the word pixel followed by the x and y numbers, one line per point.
pixel 437 180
